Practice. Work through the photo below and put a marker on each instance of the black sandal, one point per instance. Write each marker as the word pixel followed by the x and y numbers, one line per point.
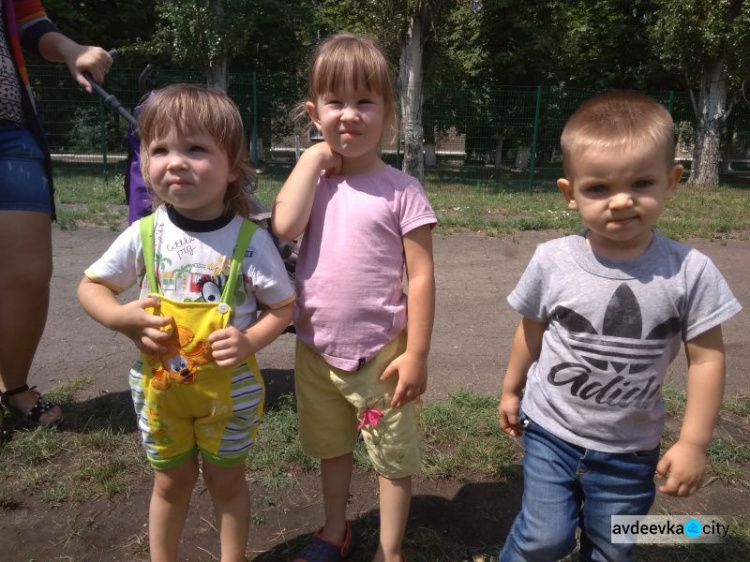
pixel 40 407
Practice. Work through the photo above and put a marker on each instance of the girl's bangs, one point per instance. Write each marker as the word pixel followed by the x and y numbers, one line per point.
pixel 348 71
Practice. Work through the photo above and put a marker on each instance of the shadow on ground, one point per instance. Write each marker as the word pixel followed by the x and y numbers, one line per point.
pixel 472 523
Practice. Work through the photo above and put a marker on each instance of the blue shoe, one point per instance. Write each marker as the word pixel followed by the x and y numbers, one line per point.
pixel 320 549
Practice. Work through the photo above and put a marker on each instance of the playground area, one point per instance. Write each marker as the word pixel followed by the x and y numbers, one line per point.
pixel 473 331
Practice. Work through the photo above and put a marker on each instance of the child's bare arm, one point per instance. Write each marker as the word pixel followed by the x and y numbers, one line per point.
pixel 293 204
pixel 684 464
pixel 527 345
pixel 411 366
pixel 130 319
pixel 231 346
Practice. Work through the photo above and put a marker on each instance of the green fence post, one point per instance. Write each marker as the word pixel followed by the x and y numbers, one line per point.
pixel 255 122
pixel 535 137
pixel 671 101
pixel 103 135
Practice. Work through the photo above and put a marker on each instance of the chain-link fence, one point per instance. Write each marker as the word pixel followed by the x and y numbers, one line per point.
pixel 498 137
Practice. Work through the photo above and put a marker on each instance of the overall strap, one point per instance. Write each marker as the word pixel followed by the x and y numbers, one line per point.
pixel 247 230
pixel 147 244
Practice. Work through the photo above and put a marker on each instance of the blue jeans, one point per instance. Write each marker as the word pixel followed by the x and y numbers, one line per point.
pixel 566 486
pixel 23 181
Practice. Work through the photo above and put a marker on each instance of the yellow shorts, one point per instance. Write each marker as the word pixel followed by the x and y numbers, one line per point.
pixel 333 404
pixel 217 416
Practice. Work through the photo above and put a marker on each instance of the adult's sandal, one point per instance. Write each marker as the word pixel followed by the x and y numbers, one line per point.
pixel 41 406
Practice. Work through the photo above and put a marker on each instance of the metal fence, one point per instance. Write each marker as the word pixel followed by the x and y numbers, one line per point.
pixel 502 137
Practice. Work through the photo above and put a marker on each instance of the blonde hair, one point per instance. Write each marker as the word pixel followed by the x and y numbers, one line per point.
pixel 618 119
pixel 189 107
pixel 344 61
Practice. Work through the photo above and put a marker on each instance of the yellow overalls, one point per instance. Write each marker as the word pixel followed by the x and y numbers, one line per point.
pixel 184 401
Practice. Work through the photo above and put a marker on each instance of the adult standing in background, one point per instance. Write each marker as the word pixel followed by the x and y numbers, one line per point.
pixel 26 197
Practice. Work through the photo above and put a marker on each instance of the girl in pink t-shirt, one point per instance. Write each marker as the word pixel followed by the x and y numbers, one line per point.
pixel 360 366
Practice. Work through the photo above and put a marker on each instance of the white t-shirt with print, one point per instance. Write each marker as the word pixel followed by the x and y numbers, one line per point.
pixel 193 266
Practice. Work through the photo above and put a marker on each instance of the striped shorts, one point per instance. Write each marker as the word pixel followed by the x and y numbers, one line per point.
pixel 217 416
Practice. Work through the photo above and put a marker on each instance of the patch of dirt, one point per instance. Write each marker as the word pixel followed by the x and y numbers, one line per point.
pixel 473 332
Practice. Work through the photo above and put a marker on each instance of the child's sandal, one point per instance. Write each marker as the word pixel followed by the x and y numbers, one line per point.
pixel 320 549
pixel 40 407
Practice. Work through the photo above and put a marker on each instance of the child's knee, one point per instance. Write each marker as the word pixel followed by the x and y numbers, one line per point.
pixel 173 484
pixel 536 536
pixel 526 545
pixel 394 444
pixel 224 482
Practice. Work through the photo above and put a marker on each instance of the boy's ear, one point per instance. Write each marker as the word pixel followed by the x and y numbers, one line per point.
pixel 674 181
pixel 566 189
pixel 313 113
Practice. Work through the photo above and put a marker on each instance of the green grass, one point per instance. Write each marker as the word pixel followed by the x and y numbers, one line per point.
pixel 462 438
pixel 719 212
pixel 447 452
pixel 98 454
pixel 739 405
pixel 85 199
pixel 278 453
pixel 493 209
pixel 674 400
pixel 729 451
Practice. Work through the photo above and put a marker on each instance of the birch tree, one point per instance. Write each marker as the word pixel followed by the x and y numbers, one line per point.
pixel 212 34
pixel 403 27
pixel 410 83
pixel 709 42
pixel 201 33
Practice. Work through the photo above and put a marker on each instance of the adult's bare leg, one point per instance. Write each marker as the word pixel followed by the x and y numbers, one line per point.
pixel 25 273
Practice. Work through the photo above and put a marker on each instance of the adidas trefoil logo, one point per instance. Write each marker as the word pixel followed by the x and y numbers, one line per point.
pixel 621 350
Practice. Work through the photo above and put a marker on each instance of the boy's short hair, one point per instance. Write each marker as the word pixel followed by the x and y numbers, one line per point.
pixel 346 60
pixel 615 120
pixel 190 107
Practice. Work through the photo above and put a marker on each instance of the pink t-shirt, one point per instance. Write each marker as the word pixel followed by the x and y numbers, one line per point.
pixel 351 301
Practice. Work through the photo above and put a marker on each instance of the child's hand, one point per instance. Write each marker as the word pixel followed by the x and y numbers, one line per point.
pixel 510 403
pixel 411 369
pixel 145 329
pixel 328 159
pixel 230 346
pixel 683 465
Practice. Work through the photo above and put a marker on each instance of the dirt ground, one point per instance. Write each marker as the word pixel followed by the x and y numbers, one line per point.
pixel 473 330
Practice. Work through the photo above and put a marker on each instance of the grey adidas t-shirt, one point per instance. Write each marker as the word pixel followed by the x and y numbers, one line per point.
pixel 613 328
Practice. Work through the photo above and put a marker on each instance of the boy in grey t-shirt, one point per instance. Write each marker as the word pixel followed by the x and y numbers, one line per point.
pixel 604 313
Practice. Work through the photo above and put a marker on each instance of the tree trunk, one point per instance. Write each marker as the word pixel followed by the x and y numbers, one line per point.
pixel 499 151
pixel 727 150
pixel 217 74
pixel 217 70
pixel 522 158
pixel 430 145
pixel 430 155
pixel 410 75
pixel 712 106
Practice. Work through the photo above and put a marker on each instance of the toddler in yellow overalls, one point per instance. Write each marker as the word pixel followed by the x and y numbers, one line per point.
pixel 204 272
